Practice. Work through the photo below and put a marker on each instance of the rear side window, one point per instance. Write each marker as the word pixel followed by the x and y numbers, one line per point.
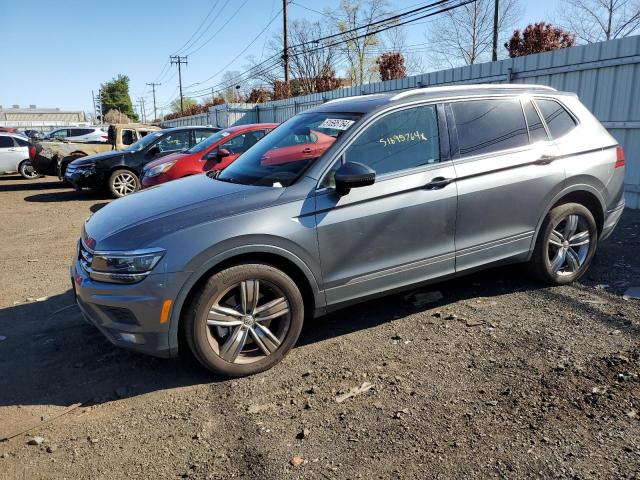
pixel 486 126
pixel 558 119
pixel 21 142
pixel 398 141
pixel 537 133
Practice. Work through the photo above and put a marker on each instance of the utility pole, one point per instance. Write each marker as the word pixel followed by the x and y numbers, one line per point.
pixel 143 112
pixel 153 88
pixel 95 113
pixel 285 52
pixel 178 60
pixel 494 57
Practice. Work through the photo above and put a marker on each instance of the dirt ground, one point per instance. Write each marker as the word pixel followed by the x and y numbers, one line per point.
pixel 502 377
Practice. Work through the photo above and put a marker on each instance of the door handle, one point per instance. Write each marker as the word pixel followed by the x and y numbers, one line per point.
pixel 545 160
pixel 306 150
pixel 12 150
pixel 438 183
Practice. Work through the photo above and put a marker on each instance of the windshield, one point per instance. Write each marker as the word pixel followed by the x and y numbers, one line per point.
pixel 280 158
pixel 144 142
pixel 207 142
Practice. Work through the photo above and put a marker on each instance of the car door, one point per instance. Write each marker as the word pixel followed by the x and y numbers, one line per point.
pixel 7 154
pixel 501 156
pixel 400 230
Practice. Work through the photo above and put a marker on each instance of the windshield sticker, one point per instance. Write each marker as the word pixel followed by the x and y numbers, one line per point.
pixel 336 123
pixel 404 137
pixel 225 134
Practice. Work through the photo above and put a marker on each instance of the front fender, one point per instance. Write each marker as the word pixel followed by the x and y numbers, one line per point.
pixel 204 267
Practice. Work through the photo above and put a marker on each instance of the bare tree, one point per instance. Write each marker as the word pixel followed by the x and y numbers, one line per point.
pixel 307 61
pixel 361 66
pixel 598 20
pixel 464 35
pixel 395 40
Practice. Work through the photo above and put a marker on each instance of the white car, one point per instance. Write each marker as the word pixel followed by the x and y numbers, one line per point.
pixel 79 134
pixel 14 156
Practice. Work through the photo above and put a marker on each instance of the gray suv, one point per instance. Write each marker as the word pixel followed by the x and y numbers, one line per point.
pixel 345 201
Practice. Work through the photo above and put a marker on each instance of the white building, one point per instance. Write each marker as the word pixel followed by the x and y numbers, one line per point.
pixel 40 117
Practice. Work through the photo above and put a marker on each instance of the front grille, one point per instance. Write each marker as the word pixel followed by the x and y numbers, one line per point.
pixel 85 256
pixel 71 169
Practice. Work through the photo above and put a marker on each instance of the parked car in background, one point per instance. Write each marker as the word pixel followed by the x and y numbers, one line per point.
pixel 34 134
pixel 14 156
pixel 214 153
pixel 416 187
pixel 79 134
pixel 119 171
pixel 52 157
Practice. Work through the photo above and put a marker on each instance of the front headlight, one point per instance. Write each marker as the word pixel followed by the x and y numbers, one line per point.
pixel 116 267
pixel 158 169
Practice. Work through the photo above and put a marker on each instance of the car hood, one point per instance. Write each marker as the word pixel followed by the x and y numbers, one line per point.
pixel 89 159
pixel 167 158
pixel 141 219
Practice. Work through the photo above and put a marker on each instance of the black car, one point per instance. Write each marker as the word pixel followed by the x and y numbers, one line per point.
pixel 119 171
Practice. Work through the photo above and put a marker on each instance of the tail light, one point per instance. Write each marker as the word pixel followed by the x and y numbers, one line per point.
pixel 619 157
pixel 32 152
pixel 106 137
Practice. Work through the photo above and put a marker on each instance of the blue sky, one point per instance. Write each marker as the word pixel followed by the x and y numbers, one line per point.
pixel 56 52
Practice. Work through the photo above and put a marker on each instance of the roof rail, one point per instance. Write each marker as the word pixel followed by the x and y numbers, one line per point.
pixel 478 86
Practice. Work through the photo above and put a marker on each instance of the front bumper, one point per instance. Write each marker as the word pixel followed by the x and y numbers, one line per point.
pixel 81 179
pixel 611 220
pixel 147 182
pixel 128 315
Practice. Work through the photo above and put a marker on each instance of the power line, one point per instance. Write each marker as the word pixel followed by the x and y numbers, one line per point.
pixel 220 29
pixel 265 67
pixel 242 52
pixel 183 47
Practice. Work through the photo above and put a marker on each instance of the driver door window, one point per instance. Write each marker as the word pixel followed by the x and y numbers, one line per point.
pixel 174 141
pixel 398 141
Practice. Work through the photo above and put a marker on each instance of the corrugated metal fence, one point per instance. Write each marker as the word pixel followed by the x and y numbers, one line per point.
pixel 605 75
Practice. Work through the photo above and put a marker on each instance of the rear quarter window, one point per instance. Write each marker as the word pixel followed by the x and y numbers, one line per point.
pixel 486 126
pixel 559 121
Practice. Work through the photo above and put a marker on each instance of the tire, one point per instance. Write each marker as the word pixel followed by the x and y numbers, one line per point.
pixel 565 245
pixel 122 183
pixel 26 170
pixel 213 345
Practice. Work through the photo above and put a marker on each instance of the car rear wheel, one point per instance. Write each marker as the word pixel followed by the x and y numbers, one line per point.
pixel 244 320
pixel 26 170
pixel 566 244
pixel 123 182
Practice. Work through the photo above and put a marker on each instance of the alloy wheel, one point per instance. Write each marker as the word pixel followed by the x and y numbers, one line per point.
pixel 568 245
pixel 248 321
pixel 125 183
pixel 27 170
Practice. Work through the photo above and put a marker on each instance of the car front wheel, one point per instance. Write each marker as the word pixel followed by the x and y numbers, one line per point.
pixel 566 244
pixel 123 182
pixel 244 320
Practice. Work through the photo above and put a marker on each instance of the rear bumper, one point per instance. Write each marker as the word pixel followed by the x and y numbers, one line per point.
pixel 127 315
pixel 611 219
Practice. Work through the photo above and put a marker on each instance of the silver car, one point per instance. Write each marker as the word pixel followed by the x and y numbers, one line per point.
pixel 344 202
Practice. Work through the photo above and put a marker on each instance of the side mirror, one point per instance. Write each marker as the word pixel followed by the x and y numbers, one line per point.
pixel 353 175
pixel 153 151
pixel 222 153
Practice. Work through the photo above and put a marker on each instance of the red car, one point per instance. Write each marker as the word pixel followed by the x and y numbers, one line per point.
pixel 214 153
